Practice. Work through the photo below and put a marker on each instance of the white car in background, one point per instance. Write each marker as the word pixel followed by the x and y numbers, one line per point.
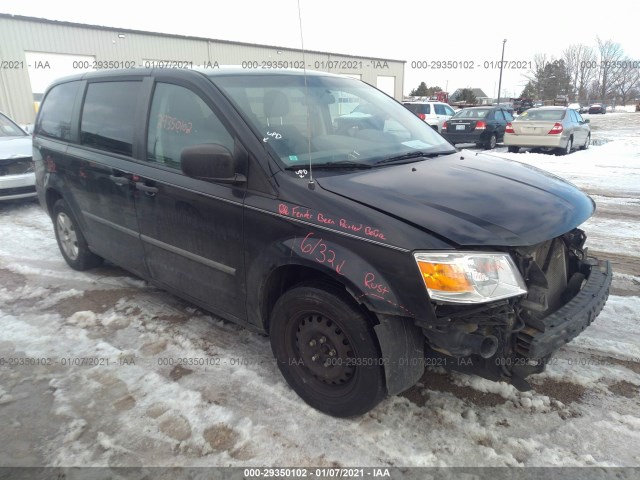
pixel 17 177
pixel 433 113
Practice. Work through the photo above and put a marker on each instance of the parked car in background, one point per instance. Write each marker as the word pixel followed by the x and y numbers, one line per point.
pixel 17 178
pixel 561 101
pixel 557 128
pixel 584 109
pixel 483 126
pixel 597 108
pixel 433 113
pixel 525 105
pixel 538 104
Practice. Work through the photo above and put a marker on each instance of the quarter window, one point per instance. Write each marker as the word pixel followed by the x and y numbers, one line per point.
pixel 108 116
pixel 55 112
pixel 179 118
pixel 440 110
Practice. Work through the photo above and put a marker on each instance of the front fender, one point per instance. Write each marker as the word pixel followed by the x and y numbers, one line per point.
pixel 380 291
pixel 401 341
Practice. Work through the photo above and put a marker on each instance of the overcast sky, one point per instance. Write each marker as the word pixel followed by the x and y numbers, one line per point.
pixel 403 30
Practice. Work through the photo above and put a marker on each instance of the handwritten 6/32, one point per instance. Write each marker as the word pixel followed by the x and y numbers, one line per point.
pixel 320 252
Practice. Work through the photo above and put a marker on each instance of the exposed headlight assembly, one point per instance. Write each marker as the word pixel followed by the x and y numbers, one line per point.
pixel 469 277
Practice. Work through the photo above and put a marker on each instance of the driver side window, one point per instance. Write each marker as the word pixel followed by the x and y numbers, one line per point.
pixel 179 118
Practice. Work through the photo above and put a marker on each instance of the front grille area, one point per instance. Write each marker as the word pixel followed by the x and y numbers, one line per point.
pixel 552 258
pixel 17 166
pixel 554 272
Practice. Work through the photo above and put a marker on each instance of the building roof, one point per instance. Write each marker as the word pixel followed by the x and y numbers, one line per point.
pixel 185 37
pixel 477 92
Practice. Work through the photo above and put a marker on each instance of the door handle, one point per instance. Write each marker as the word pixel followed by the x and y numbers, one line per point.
pixel 146 188
pixel 119 180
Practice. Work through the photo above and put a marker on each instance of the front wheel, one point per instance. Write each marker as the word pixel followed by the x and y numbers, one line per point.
pixel 71 242
pixel 327 350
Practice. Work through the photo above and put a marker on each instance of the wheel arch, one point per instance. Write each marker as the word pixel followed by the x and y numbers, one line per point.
pixel 51 197
pixel 400 340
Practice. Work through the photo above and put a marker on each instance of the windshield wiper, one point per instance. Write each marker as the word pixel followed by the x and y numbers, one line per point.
pixel 332 165
pixel 412 156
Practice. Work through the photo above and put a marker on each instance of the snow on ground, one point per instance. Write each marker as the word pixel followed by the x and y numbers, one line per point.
pixel 104 386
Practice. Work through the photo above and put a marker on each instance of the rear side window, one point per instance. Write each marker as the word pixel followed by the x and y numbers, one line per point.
pixel 54 119
pixel 179 118
pixel 575 116
pixel 417 108
pixel 108 116
pixel 440 110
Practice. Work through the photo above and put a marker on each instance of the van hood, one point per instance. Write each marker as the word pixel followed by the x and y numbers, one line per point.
pixel 470 199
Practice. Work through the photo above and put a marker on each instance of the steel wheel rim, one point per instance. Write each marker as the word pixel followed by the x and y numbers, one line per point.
pixel 325 350
pixel 492 142
pixel 568 150
pixel 67 235
pixel 588 142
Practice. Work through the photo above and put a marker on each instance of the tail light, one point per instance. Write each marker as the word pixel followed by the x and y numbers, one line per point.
pixel 480 125
pixel 509 128
pixel 556 129
pixel 421 116
pixel 444 126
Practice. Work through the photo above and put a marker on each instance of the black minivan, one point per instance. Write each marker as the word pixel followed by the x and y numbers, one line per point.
pixel 366 247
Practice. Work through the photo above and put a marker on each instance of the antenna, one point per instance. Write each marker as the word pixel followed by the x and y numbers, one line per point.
pixel 306 95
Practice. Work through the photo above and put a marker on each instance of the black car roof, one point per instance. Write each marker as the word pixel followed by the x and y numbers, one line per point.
pixel 179 72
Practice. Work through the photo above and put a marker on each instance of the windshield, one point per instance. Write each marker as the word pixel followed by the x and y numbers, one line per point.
pixel 544 115
pixel 472 113
pixel 347 121
pixel 9 129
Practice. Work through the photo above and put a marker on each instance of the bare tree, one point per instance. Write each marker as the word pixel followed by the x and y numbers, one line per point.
pixel 580 62
pixel 628 80
pixel 548 77
pixel 610 54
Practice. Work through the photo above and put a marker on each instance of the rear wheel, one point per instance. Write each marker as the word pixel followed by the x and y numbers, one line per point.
pixel 513 149
pixel 587 142
pixel 71 242
pixel 567 149
pixel 327 350
pixel 491 144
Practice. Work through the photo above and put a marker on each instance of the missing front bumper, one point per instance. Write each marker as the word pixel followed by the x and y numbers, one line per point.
pixel 571 319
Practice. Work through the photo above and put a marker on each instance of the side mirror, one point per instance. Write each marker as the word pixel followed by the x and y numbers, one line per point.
pixel 586 120
pixel 211 162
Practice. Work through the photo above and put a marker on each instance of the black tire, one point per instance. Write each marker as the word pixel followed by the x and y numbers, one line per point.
pixel 71 241
pixel 512 149
pixel 567 149
pixel 327 350
pixel 491 144
pixel 587 142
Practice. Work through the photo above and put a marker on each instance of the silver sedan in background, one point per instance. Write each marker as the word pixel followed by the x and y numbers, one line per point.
pixel 560 129
pixel 17 177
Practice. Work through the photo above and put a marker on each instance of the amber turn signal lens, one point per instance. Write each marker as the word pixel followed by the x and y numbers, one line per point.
pixel 444 277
